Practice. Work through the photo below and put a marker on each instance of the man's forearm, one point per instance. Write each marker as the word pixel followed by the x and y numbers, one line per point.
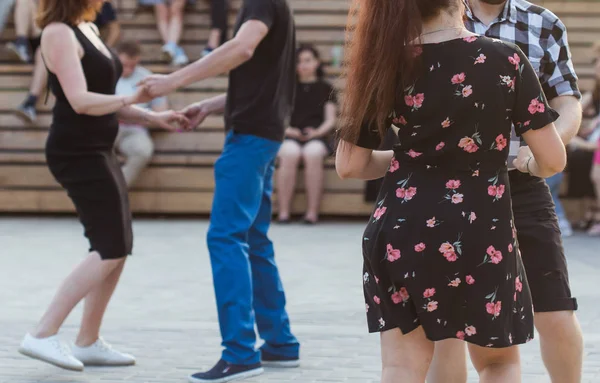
pixel 223 59
pixel 217 103
pixel 569 121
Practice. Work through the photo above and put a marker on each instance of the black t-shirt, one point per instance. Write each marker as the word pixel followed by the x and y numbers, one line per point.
pixel 309 107
pixel 106 15
pixel 261 91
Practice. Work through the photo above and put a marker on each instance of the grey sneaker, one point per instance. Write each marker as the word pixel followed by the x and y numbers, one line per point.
pixel 27 113
pixel 20 50
pixel 180 58
pixel 169 51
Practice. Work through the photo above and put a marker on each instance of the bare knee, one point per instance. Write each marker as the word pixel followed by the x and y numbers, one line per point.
pixel 485 357
pixel 314 152
pixel 412 352
pixel 550 324
pixel 449 364
pixel 177 7
pixel 289 154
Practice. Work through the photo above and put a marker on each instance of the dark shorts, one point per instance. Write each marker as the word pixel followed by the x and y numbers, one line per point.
pixel 540 244
pixel 35 43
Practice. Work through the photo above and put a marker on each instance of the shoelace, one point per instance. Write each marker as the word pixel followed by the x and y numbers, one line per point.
pixel 102 345
pixel 62 348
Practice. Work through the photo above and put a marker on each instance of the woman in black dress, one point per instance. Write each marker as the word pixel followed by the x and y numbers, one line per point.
pixel 308 139
pixel 440 256
pixel 83 75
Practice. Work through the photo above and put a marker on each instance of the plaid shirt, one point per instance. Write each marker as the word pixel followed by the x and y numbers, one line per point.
pixel 543 38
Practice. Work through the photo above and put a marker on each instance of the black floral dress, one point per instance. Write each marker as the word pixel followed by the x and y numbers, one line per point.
pixel 440 248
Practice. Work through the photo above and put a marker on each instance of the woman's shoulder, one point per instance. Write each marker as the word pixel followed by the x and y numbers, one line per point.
pixel 55 32
pixel 498 46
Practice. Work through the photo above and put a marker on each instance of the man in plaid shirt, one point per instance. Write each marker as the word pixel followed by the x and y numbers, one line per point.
pixel 543 38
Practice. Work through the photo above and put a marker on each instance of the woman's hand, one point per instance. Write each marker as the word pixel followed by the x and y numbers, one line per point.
pixel 141 96
pixel 170 120
pixel 311 134
pixel 294 133
pixel 196 113
pixel 525 161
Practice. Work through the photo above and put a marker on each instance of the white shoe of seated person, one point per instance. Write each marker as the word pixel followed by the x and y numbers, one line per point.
pixel 102 354
pixel 50 350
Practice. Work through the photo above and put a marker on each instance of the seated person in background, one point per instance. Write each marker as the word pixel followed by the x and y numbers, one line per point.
pixel 5 8
pixel 105 20
pixel 308 137
pixel 27 33
pixel 134 141
pixel 169 19
pixel 218 28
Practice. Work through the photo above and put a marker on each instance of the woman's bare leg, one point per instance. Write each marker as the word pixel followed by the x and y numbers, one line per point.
pixel 95 306
pixel 313 155
pixel 89 274
pixel 405 358
pixel 176 20
pixel 289 158
pixel 449 363
pixel 496 365
pixel 161 12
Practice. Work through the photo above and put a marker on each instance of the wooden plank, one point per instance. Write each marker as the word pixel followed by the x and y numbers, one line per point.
pixel 162 178
pixel 163 141
pixel 56 201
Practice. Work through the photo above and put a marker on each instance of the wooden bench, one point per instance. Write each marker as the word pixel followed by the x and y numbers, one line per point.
pixel 179 180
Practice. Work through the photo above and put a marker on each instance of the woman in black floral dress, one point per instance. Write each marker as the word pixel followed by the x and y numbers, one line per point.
pixel 440 254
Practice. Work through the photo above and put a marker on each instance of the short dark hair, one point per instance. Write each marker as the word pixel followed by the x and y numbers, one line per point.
pixel 130 48
pixel 315 52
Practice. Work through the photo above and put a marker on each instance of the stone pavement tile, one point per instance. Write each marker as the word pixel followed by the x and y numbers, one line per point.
pixel 164 310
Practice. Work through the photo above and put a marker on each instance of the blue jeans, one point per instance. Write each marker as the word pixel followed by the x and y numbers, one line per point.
pixel 554 183
pixel 246 280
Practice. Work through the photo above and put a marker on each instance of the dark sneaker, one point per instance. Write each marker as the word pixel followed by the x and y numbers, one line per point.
pixel 272 360
pixel 27 113
pixel 226 372
pixel 20 50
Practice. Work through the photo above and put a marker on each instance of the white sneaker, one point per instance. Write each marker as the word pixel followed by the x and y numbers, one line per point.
pixel 180 58
pixel 169 50
pixel 102 354
pixel 50 350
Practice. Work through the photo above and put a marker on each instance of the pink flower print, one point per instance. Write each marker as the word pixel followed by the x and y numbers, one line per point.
pixel 510 247
pixel 492 190
pixel 376 279
pixel 410 193
pixel 428 293
pixel 392 254
pixel 457 198
pixel 419 247
pixel 480 59
pixel 413 154
pixel 460 335
pixel 470 280
pixel 381 323
pixel 508 81
pixel 472 217
pixel 458 78
pixel 452 184
pixel 526 123
pixel 432 306
pixel 417 51
pixel 518 284
pixel 408 100
pixel 367 307
pixel 500 191
pixel 451 256
pixel 536 107
pixel 515 296
pixel 376 299
pixel 396 298
pixel 404 294
pixel 446 123
pixel 475 173
pixel 380 211
pixel 440 146
pixel 500 142
pixel 468 145
pixel 467 91
pixel 470 39
pixel 394 165
pixel 446 247
pixel 400 120
pixel 400 192
pixel 431 222
pixel 470 330
pixel 454 283
pixel 418 100
pixel 494 309
pixel 495 255
pixel 515 60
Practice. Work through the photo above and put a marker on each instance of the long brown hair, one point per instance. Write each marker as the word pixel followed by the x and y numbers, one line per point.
pixel 382 58
pixel 64 11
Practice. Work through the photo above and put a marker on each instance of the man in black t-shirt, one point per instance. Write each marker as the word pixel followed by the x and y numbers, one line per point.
pixel 258 103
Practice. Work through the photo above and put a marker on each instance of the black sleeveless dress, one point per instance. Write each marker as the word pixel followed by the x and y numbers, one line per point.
pixel 80 155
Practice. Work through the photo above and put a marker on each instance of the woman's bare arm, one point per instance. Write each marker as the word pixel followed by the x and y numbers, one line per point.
pixel 62 54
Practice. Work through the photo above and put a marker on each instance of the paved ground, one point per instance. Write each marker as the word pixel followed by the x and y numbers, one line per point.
pixel 164 310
